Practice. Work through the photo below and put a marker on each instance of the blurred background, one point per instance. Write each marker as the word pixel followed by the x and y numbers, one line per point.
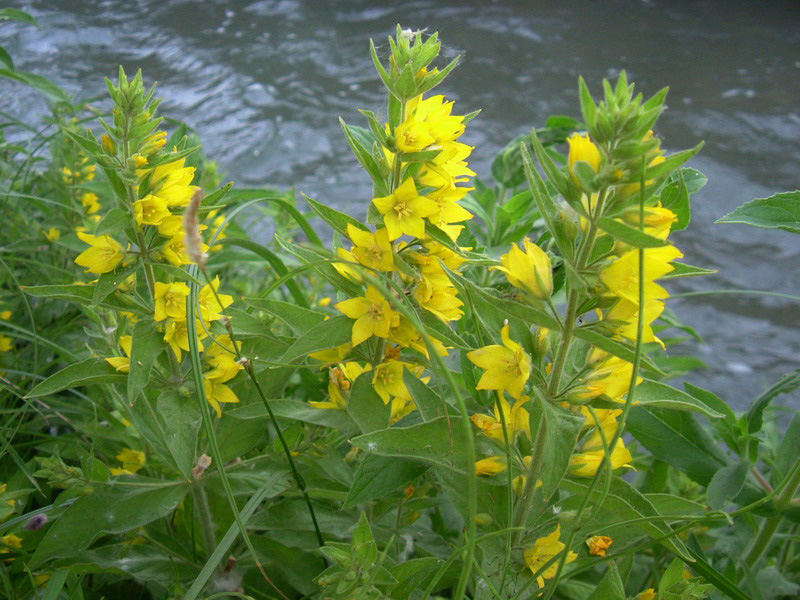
pixel 264 83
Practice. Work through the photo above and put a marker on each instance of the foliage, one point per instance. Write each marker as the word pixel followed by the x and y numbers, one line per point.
pixel 464 396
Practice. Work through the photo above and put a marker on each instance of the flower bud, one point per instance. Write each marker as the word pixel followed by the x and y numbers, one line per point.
pixel 109 145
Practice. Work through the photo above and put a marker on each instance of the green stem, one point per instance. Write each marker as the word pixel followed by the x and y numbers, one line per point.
pixel 770 526
pixel 206 519
pixel 537 458
pixel 509 483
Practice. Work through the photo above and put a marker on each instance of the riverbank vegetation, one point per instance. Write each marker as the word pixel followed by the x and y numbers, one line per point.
pixel 460 387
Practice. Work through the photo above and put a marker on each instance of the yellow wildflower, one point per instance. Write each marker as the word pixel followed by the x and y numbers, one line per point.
pixel 372 313
pixel 372 250
pixel 404 211
pixel 341 379
pixel 442 301
pixel 6 344
pixel 507 367
pixel 529 270
pixel 388 381
pixel 581 148
pixel 176 334
pixel 598 544
pixel 172 183
pixel 90 202
pixel 517 421
pixel 10 542
pixel 348 271
pixel 150 210
pixel 132 461
pixel 218 393
pixel 103 255
pixel 413 136
pixel 648 594
pixel 490 466
pixel 52 234
pixel 332 355
pixel 542 551
pixel 123 363
pixel 621 277
pixel 212 304
pixel 222 357
pixel 586 464
pixel 170 300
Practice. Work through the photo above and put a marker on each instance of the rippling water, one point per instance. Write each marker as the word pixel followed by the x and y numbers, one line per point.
pixel 264 82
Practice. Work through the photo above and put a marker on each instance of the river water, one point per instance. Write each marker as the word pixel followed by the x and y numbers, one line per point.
pixel 264 82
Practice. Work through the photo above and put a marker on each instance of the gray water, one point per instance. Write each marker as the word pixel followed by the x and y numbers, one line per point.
pixel 264 82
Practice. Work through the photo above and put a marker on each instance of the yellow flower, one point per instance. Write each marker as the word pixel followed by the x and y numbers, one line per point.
pixel 132 461
pixel 586 464
pixel 90 202
pixel 388 381
pixel 222 357
pixel 372 250
pixel 442 301
pixel 170 300
pixel 413 136
pixel 529 270
pixel 103 255
pixel 210 307
pixel 507 367
pixel 175 250
pixel 490 466
pixel 610 376
pixel 517 421
pixel 6 344
pixel 139 160
pixel 621 277
pixel 346 270
pixel 340 380
pixel 176 334
pixel 172 226
pixel 150 210
pixel 581 148
pixel 648 594
pixel 5 315
pixel 598 544
pixel 542 551
pixel 9 542
pixel 406 335
pixel 172 183
pixel 436 114
pixel 52 234
pixel 123 363
pixel 404 211
pixel 218 393
pixel 332 355
pixel 372 313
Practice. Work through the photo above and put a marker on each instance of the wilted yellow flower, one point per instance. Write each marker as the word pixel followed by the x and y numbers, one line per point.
pixel 123 363
pixel 132 461
pixel 507 367
pixel 542 551
pixel 372 313
pixel 404 211
pixel 529 270
pixel 170 300
pixel 598 544
pixel 103 255
pixel 490 466
pixel 581 148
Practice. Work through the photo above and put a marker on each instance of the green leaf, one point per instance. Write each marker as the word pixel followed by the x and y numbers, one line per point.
pixel 42 84
pixel 108 283
pixel 726 484
pixel 366 407
pixel 5 58
pixel 785 385
pixel 300 320
pixel 412 575
pixel 296 410
pixel 147 344
pixel 82 294
pixel 781 211
pixel 621 350
pixel 87 372
pixel 436 442
pixel 667 505
pixel 562 429
pixel 328 334
pixel 684 270
pixel 712 401
pixel 17 15
pixel 610 586
pixel 379 476
pixel 628 234
pixel 671 576
pixel 671 162
pixel 715 576
pixel 113 510
pixel 114 221
pixel 428 402
pixel 182 418
pixel 627 502
pixel 677 439
pixel 326 270
pixel 336 219
pixel 676 193
pixel 654 393
pixel 362 153
pixel 788 451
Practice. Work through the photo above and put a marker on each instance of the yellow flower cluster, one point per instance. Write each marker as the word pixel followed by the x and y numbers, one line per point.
pixel 542 551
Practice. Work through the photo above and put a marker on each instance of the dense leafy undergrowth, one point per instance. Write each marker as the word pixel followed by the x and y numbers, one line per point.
pixel 462 395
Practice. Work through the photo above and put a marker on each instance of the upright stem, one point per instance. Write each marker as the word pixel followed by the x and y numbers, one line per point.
pixel 206 519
